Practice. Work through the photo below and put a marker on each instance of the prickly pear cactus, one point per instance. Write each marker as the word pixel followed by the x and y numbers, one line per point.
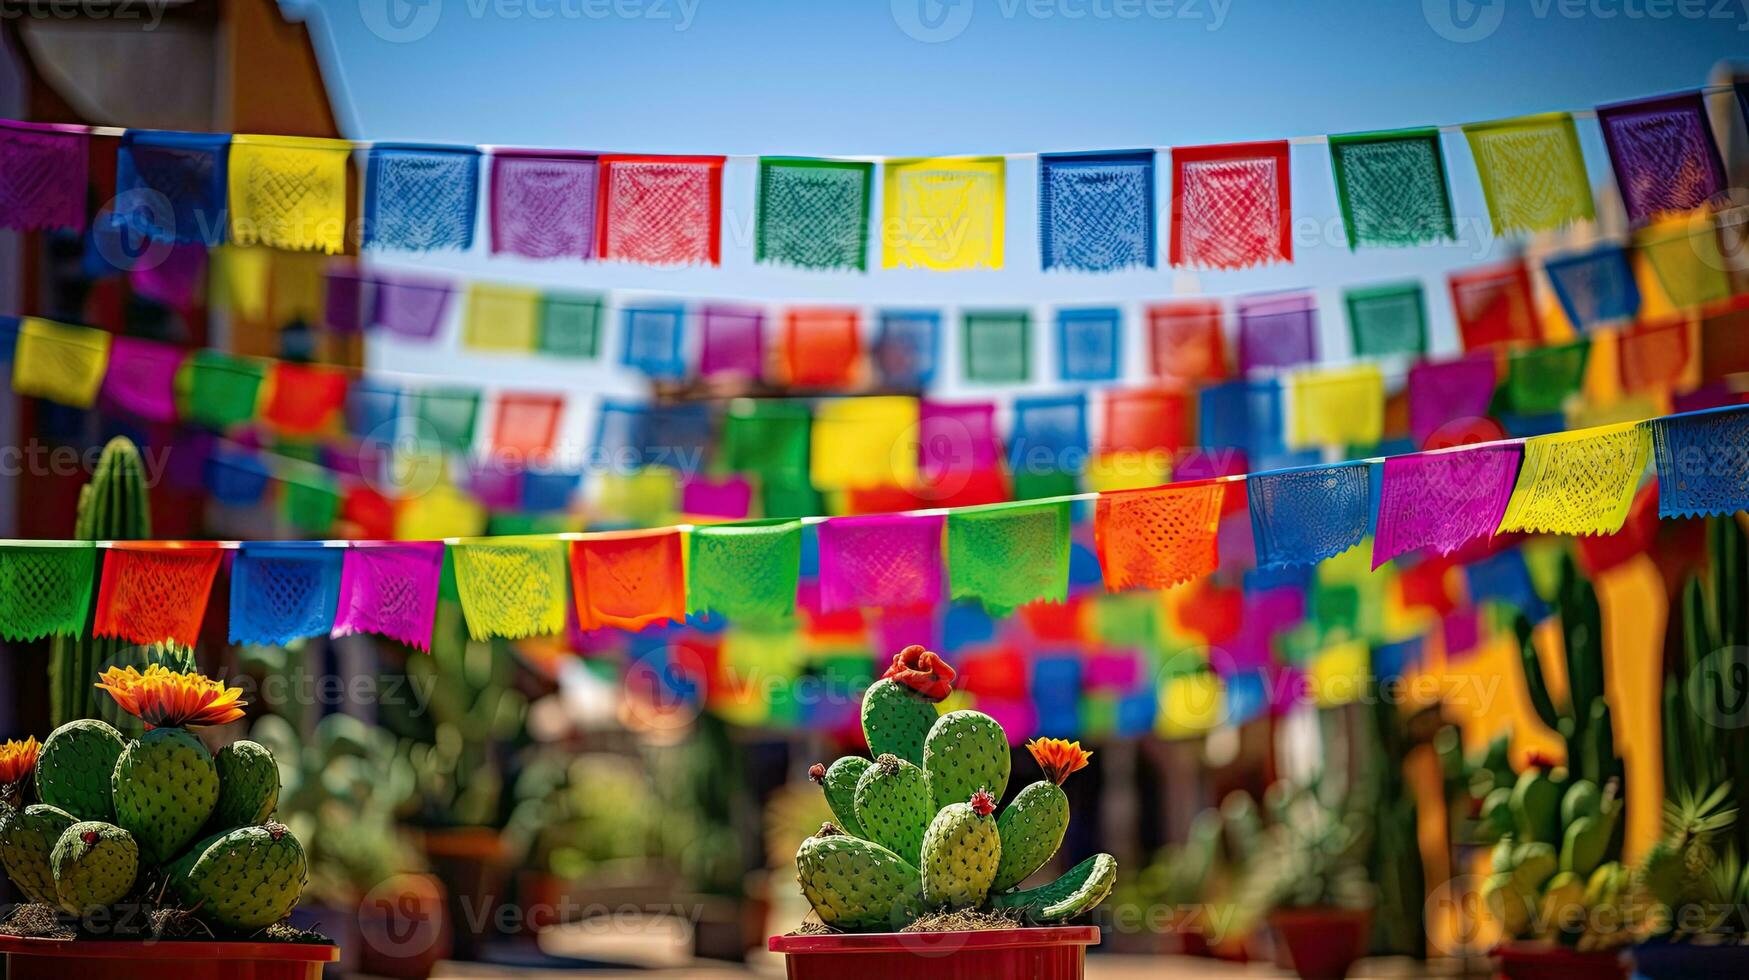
pixel 75 768
pixel 94 864
pixel 894 805
pixel 966 751
pixel 898 709
pixel 27 844
pixel 246 879
pixel 839 782
pixel 1033 823
pixel 857 884
pixel 248 785
pixel 166 786
pixel 1078 891
pixel 961 852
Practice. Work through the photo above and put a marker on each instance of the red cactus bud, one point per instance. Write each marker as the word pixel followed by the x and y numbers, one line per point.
pixel 276 830
pixel 922 671
pixel 817 772
pixel 89 837
pixel 983 804
pixel 1537 760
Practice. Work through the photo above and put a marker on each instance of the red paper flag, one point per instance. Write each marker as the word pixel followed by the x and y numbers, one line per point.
pixel 1185 340
pixel 154 591
pixel 527 423
pixel 822 348
pixel 1231 206
pixel 629 579
pixel 1653 356
pixel 1143 420
pixel 305 397
pixel 662 210
pixel 1494 306
pixel 1160 537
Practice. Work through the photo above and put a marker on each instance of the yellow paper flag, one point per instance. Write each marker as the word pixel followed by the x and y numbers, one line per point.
pixel 944 213
pixel 1337 407
pixel 1337 675
pixel 440 512
pixel 502 318
pixel 512 586
pixel 647 497
pixel 1532 172
pixel 864 443
pixel 240 279
pixel 1579 482
pixel 1127 469
pixel 289 192
pixel 59 361
pixel 1190 704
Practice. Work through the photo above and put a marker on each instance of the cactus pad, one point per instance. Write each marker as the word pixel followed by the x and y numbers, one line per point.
pixel 966 751
pixel 839 781
pixel 896 719
pixel 1078 891
pixel 166 786
pixel 246 879
pixel 27 844
pixel 961 852
pixel 248 785
pixel 75 766
pixel 857 884
pixel 894 805
pixel 94 864
pixel 1032 828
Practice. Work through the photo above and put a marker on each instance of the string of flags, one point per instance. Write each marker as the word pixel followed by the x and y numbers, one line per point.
pixel 1229 206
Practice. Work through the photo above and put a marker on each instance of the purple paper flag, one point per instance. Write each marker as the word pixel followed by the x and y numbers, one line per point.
pixel 1663 152
pixel 173 279
pixel 1111 672
pixel 141 379
pixel 497 483
pixel 43 173
pixel 390 588
pixel 410 306
pixel 731 341
pixel 882 561
pixel 1462 629
pixel 1277 331
pixel 1443 500
pixel 543 204
pixel 1447 391
pixel 343 307
pixel 731 497
pixel 956 438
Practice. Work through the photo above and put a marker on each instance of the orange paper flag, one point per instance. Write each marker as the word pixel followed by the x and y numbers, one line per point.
pixel 155 590
pixel 629 579
pixel 1158 538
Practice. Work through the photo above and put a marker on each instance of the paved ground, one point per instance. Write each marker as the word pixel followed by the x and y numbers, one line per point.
pixel 1099 967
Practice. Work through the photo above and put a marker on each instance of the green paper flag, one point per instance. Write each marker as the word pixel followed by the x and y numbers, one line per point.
pixel 570 326
pixel 746 572
pixel 813 213
pixel 789 498
pixel 1007 555
pixel 1532 172
pixel 219 390
pixel 995 346
pixel 310 507
pixel 45 589
pixel 767 438
pixel 1539 380
pixel 1392 187
pixel 1037 486
pixel 446 417
pixel 1387 320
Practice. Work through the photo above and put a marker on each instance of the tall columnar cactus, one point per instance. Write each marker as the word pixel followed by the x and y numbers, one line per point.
pixel 112 507
pixel 967 859
pixel 1584 722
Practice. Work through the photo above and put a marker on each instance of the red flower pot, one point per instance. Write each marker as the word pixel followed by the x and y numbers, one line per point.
pixel 1056 953
pixel 1322 943
pixel 56 959
pixel 1547 961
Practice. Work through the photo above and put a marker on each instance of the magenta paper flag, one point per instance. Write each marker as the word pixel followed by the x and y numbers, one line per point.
pixel 730 498
pixel 543 204
pixel 886 561
pixel 1663 152
pixel 413 307
pixel 731 341
pixel 390 589
pixel 956 438
pixel 1443 500
pixel 173 278
pixel 43 169
pixel 141 380
pixel 1449 391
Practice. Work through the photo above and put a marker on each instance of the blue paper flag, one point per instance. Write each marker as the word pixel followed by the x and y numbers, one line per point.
pixel 544 493
pixel 651 340
pixel 1504 578
pixel 907 347
pixel 421 198
pixel 1303 516
pixel 236 478
pixel 1595 287
pixel 171 186
pixel 284 591
pixel 1090 344
pixel 1096 210
pixel 1395 659
pixel 621 429
pixel 1703 462
pixel 1049 434
pixel 372 410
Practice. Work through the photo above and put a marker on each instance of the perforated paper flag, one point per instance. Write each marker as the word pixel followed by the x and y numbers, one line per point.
pixel 1048 435
pixel 310 505
pixel 304 398
pixel 220 390
pixel 864 442
pixel 731 341
pixel 441 512
pixel 1303 515
pixel 141 380
pixel 651 340
pixel 511 586
pixel 1494 306
pixel 1653 357
pixel 956 439
pixel 526 424
pixel 1160 537
pixel 886 562
pixel 421 198
pixel 766 437
pixel 155 591
pixel 746 572
pixel 629 579
pixel 1337 407
pixel 1096 210
pixel 289 192
pixel 543 203
pixel 813 213
pixel 944 213
pixel 445 418
pixel 1143 420
pixel 284 591
pixel 1090 343
pixel 413 307
pixel 60 362
pixel 661 210
pixel 502 318
pixel 1185 341
pixel 1579 482
pixel 1595 287
pixel 1277 331
pixel 1663 153
pixel 1443 500
pixel 906 347
pixel 1008 555
pixel 996 346
pixel 1539 380
pixel 1392 187
pixel 570 325
pixel 1442 392
pixel 45 588
pixel 1685 255
pixel 822 347
pixel 174 183
pixel 1532 172
pixel 390 589
pixel 43 173
pixel 1231 205
pixel 1703 466
pixel 1386 320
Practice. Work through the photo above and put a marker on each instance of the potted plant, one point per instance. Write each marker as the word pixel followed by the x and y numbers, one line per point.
pixel 918 875
pixel 151 857
pixel 1311 876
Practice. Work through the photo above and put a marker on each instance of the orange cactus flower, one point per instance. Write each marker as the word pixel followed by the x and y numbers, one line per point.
pixel 17 763
pixel 163 698
pixel 1058 757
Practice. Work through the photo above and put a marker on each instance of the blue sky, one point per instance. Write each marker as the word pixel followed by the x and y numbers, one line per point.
pixel 909 77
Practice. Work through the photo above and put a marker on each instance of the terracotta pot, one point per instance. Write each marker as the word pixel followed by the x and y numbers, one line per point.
pixel 1547 961
pixel 1057 953
pixel 403 925
pixel 470 861
pixel 1689 961
pixel 1321 943
pixel 56 959
pixel 539 893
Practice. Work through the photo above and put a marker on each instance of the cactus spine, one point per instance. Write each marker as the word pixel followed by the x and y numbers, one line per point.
pixel 112 507
pixel 893 805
